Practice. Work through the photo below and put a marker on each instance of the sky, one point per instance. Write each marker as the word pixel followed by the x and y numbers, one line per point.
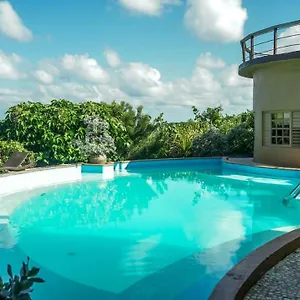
pixel 166 55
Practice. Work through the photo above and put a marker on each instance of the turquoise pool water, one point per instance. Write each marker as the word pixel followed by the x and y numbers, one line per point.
pixel 151 233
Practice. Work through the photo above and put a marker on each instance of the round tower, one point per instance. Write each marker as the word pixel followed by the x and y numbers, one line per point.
pixel 272 58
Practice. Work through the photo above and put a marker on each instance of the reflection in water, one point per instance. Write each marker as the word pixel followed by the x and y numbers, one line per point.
pixel 137 225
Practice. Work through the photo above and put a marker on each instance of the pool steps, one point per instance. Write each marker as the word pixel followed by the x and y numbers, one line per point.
pixel 292 195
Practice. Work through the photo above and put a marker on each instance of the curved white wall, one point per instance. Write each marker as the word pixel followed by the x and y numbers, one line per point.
pixel 13 183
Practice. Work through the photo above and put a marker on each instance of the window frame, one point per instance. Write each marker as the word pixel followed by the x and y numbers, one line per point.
pixel 290 145
pixel 290 128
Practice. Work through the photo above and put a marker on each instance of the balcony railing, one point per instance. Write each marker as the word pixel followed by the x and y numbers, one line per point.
pixel 273 40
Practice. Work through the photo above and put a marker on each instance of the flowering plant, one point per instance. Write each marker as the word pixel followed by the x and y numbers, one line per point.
pixel 97 140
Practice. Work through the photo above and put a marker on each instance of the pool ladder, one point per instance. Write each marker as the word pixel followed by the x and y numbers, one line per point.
pixel 292 195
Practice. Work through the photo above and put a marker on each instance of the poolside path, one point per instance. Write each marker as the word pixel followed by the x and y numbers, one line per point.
pixel 281 282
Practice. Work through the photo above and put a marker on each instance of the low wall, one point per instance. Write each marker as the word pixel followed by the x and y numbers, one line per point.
pixel 171 162
pixel 16 182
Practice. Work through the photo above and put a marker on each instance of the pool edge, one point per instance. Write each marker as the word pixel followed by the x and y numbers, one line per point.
pixel 238 281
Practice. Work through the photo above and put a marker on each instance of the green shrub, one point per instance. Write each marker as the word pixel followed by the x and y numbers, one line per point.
pixel 181 142
pixel 19 287
pixel 7 148
pixel 97 140
pixel 241 140
pixel 211 143
pixel 50 129
pixel 153 146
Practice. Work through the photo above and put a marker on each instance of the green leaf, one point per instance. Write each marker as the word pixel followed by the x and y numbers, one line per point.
pixel 27 285
pixel 33 272
pixel 23 297
pixel 9 271
pixel 17 288
pixel 36 279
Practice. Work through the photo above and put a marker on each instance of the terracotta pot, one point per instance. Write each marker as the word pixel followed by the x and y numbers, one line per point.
pixel 97 159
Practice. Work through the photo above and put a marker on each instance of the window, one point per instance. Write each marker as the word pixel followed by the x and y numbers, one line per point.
pixel 281 128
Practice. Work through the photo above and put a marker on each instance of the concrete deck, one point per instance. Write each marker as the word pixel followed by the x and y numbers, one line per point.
pixel 281 282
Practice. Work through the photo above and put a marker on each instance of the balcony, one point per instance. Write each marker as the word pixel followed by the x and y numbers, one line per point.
pixel 276 43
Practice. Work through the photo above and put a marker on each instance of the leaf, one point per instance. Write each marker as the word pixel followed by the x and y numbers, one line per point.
pixel 36 279
pixel 23 297
pixel 17 288
pixel 24 270
pixel 9 271
pixel 26 285
pixel 33 272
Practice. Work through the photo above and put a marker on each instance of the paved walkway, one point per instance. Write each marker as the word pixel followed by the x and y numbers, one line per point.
pixel 281 282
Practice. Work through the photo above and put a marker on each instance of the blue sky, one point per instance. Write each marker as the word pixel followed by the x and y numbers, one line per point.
pixel 164 54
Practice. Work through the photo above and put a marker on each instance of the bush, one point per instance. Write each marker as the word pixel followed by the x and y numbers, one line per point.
pixel 7 148
pixel 211 143
pixel 181 142
pixel 241 140
pixel 19 287
pixel 97 140
pixel 153 146
pixel 50 129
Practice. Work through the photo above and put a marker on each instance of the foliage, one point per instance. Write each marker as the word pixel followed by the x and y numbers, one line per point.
pixel 153 146
pixel 241 140
pixel 19 287
pixel 97 140
pixel 49 130
pixel 211 143
pixel 212 116
pixel 7 148
pixel 137 124
pixel 182 139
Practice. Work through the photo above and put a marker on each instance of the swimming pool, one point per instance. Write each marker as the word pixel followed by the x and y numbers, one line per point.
pixel 162 229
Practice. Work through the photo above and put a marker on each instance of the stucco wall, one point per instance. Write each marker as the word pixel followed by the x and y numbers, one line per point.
pixel 276 87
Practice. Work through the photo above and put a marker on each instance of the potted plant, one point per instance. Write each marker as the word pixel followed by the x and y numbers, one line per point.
pixel 97 144
pixel 19 287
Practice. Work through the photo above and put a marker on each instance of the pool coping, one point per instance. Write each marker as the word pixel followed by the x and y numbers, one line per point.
pixel 225 159
pixel 238 281
pixel 38 169
pixel 234 161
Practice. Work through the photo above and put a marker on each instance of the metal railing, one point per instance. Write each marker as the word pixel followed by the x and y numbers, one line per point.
pixel 253 48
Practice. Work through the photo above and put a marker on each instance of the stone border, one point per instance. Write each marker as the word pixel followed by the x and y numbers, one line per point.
pixel 239 280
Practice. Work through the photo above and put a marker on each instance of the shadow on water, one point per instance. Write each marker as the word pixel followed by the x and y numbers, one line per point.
pixel 195 276
pixel 192 277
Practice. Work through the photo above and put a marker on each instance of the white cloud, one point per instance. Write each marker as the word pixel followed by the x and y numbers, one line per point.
pixel 211 83
pixel 84 68
pixel 147 7
pixel 138 79
pixel 10 97
pixel 206 60
pixel 11 24
pixel 229 76
pixel 43 76
pixel 112 58
pixel 216 20
pixel 9 66
pixel 290 36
